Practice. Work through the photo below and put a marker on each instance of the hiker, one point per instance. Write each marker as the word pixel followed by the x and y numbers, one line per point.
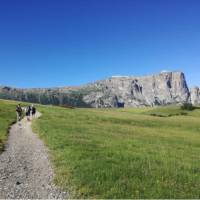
pixel 28 113
pixel 33 110
pixel 19 112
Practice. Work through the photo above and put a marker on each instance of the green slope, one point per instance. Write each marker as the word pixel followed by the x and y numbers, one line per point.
pixel 7 117
pixel 124 153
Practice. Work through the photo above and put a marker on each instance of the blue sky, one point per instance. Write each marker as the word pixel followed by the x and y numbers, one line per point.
pixel 45 43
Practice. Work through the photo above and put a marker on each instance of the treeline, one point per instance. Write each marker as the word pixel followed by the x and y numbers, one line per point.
pixel 46 97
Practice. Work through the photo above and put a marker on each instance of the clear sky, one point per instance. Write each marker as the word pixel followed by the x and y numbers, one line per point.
pixel 46 43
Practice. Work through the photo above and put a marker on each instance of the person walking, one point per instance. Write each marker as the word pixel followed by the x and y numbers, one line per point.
pixel 19 112
pixel 28 113
pixel 33 110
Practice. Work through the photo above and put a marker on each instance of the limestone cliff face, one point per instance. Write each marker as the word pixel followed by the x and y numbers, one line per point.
pixel 162 89
pixel 195 96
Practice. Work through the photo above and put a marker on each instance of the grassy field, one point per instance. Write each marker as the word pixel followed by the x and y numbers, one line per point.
pixel 7 117
pixel 119 153
pixel 124 153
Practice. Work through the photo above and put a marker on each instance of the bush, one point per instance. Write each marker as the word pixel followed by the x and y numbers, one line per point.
pixel 187 106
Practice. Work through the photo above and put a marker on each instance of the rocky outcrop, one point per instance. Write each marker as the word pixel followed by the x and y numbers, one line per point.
pixel 195 95
pixel 162 89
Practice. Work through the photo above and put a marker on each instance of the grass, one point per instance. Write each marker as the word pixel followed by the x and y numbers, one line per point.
pixel 124 153
pixel 119 153
pixel 7 117
pixel 167 111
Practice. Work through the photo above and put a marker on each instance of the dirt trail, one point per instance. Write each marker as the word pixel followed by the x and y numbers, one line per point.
pixel 25 170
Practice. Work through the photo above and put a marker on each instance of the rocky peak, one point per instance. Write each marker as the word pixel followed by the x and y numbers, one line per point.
pixel 117 91
pixel 195 95
pixel 164 88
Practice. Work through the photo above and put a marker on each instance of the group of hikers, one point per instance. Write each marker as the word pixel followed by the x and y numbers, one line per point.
pixel 29 111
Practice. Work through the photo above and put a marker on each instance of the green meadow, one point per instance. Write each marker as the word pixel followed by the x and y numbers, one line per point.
pixel 122 153
pixel 7 117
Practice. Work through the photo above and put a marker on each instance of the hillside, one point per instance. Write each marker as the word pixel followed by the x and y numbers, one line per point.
pixel 7 117
pixel 161 89
pixel 119 153
pixel 124 153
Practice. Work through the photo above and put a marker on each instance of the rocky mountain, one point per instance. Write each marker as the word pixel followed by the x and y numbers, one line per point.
pixel 118 91
pixel 162 89
pixel 195 96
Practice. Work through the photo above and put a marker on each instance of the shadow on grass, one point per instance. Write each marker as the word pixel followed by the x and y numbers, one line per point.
pixel 169 115
pixel 196 108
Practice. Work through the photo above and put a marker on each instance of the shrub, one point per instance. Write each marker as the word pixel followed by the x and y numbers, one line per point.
pixel 187 106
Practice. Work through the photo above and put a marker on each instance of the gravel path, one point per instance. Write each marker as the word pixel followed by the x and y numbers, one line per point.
pixel 25 170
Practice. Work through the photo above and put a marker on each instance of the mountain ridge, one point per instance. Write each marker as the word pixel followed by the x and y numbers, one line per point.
pixel 117 91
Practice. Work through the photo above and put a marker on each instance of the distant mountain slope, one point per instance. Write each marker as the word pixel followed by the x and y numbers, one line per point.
pixel 55 96
pixel 118 91
pixel 195 96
